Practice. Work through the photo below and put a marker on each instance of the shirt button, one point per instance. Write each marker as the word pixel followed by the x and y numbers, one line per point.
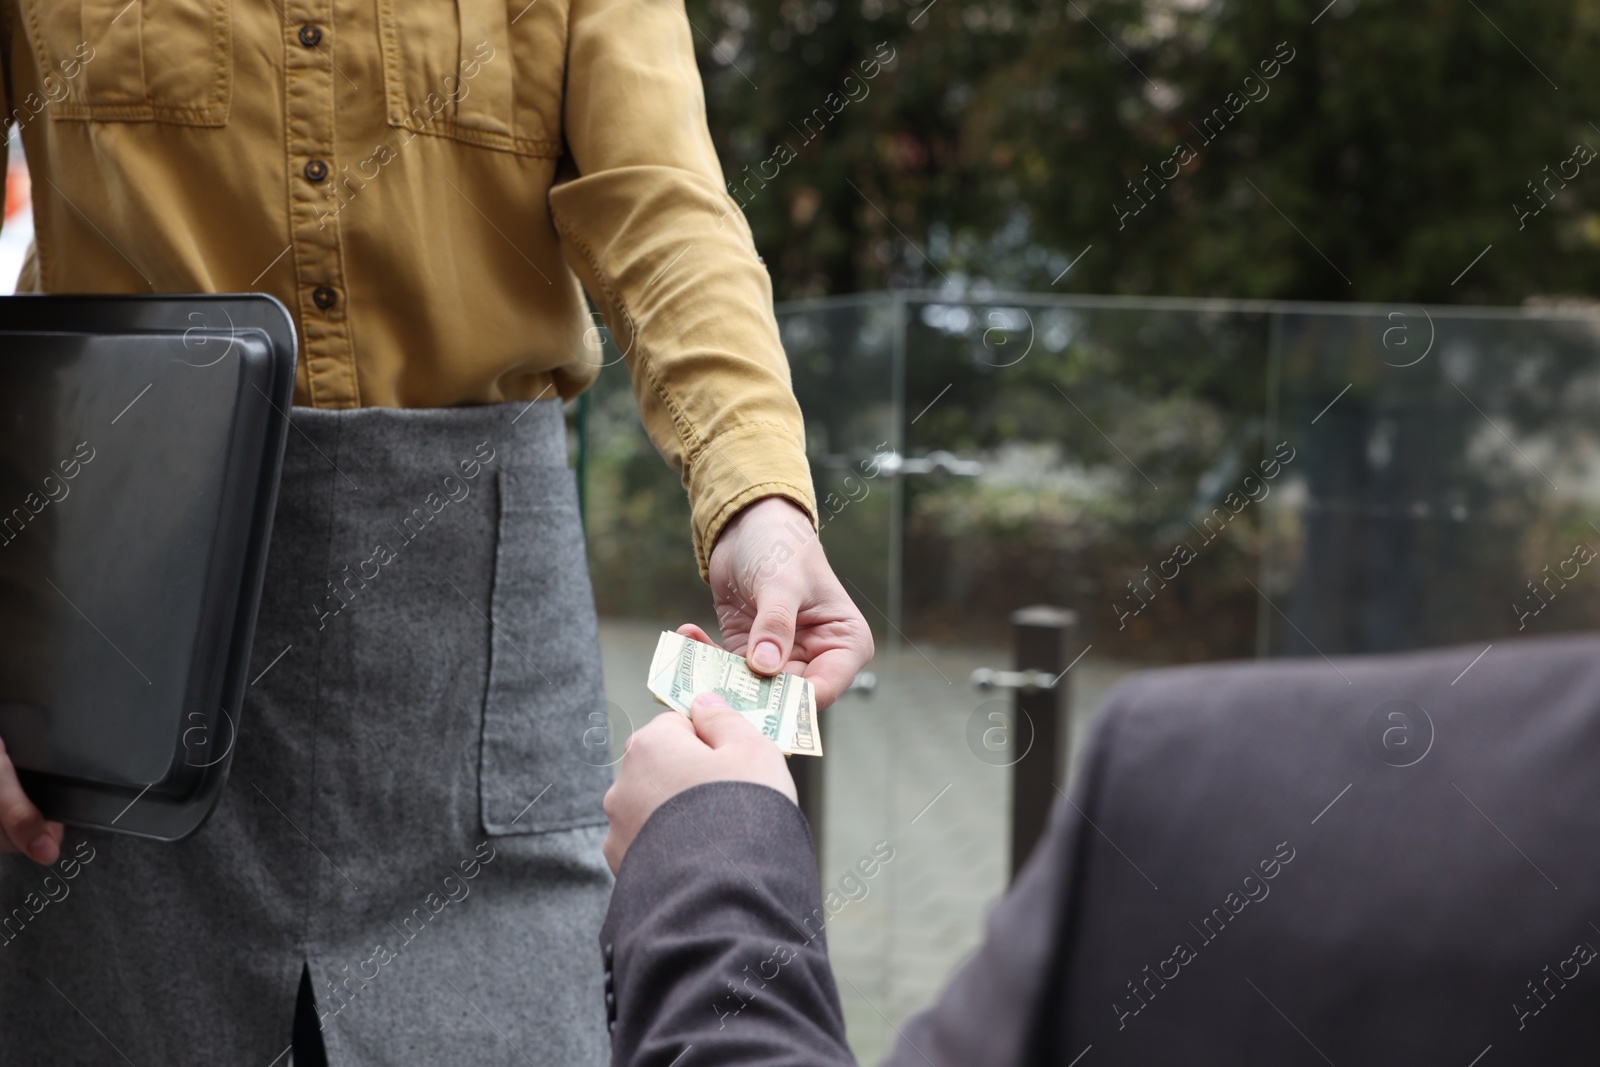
pixel 323 297
pixel 316 170
pixel 310 36
pixel 611 1003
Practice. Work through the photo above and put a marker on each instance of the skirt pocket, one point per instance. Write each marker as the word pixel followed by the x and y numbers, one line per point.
pixel 537 770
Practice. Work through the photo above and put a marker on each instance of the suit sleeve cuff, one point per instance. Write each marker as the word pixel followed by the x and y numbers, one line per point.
pixel 745 821
pixel 754 831
pixel 716 898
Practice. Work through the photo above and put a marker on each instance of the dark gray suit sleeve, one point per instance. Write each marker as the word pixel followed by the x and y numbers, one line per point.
pixel 998 1007
pixel 714 938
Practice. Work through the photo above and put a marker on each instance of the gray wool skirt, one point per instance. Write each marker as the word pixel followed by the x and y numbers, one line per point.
pixel 413 812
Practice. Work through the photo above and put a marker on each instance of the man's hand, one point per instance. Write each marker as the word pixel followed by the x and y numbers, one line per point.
pixel 671 754
pixel 778 603
pixel 25 829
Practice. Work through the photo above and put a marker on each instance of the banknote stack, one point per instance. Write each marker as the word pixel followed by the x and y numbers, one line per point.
pixel 783 707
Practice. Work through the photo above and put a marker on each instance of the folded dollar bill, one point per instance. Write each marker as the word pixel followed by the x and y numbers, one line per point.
pixel 783 707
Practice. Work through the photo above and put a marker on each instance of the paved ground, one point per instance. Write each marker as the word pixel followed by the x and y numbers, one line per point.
pixel 898 770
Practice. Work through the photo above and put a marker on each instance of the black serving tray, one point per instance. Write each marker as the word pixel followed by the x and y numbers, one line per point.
pixel 141 441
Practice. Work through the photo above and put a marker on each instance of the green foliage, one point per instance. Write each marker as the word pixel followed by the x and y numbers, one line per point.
pixel 1381 158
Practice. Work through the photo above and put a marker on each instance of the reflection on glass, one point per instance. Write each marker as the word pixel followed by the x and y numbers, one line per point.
pixel 1447 490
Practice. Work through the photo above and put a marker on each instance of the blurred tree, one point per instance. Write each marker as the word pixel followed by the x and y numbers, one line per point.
pixel 1393 143
pixel 1353 150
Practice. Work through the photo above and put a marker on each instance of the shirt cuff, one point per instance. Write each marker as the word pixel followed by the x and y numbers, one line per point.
pixel 738 468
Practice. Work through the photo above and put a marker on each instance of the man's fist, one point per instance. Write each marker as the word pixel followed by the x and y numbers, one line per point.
pixel 671 754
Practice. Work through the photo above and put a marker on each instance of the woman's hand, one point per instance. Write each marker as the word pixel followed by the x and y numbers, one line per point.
pixel 778 602
pixel 25 830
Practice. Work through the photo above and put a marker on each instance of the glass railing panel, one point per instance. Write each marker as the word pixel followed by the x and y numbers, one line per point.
pixel 1197 480
pixel 1053 453
pixel 1446 488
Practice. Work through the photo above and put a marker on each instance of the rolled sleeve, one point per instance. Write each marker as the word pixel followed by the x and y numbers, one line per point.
pixel 664 252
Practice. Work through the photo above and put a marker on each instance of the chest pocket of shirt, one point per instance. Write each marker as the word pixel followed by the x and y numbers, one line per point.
pixel 129 61
pixel 483 72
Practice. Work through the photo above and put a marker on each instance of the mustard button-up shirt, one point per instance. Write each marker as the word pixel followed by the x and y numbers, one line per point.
pixel 425 184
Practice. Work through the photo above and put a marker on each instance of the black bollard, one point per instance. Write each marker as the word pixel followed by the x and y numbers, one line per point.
pixel 1040 722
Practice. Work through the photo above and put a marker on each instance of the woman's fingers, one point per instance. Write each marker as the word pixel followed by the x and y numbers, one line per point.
pixel 25 829
pixel 694 633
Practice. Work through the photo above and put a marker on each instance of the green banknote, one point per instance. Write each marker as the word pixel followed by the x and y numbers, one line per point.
pixel 783 707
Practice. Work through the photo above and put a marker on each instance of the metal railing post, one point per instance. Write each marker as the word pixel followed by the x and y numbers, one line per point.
pixel 807 774
pixel 1040 721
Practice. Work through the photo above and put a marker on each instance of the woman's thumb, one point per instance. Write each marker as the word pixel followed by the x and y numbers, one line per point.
pixel 772 634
